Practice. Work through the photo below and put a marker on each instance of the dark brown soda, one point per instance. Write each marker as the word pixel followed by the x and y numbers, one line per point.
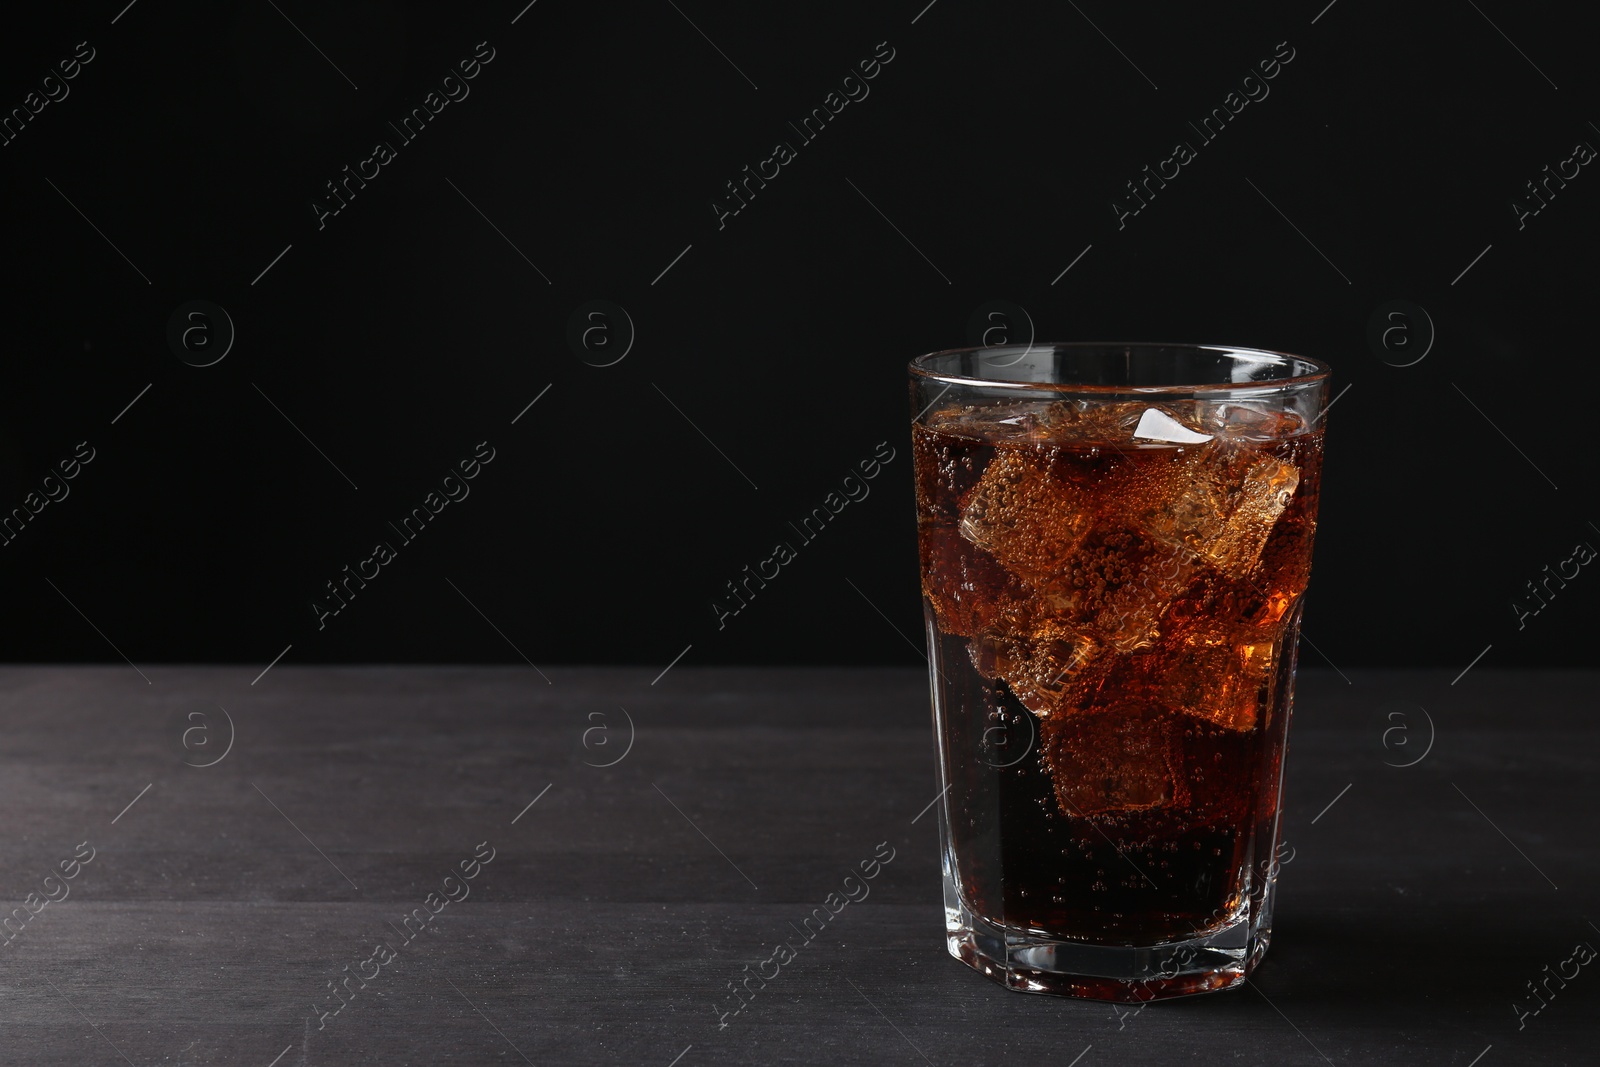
pixel 1115 665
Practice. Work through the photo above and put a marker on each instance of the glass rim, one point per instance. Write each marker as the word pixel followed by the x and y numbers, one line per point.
pixel 1321 371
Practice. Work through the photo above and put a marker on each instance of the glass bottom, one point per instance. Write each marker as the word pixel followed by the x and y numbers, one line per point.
pixel 1029 962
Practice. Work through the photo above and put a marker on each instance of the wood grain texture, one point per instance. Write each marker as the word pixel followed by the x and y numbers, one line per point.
pixel 609 921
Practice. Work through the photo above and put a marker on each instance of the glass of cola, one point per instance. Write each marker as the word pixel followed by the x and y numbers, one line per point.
pixel 1115 542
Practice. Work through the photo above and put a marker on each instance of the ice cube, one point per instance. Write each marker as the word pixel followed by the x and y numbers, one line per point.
pixel 1282 573
pixel 1010 421
pixel 1157 425
pixel 1118 759
pixel 1125 423
pixel 1052 671
pixel 1029 520
pixel 1242 422
pixel 1117 585
pixel 1218 500
pixel 1228 683
pixel 970 591
pixel 1131 616
pixel 1094 421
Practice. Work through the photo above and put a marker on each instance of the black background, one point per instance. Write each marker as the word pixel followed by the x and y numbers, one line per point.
pixel 408 329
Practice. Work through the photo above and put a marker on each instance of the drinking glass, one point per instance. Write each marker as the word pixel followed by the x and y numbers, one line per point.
pixel 1115 541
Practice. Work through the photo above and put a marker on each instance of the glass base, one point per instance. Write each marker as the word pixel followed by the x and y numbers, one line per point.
pixel 1033 963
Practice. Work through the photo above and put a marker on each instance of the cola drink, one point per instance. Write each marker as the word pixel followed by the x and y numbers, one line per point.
pixel 1112 589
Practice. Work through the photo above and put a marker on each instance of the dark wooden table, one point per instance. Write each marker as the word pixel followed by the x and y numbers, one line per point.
pixel 218 909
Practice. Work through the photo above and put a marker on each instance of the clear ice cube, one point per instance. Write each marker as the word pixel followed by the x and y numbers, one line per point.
pixel 1029 520
pixel 1228 683
pixel 1217 500
pixel 1120 759
pixel 1052 671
